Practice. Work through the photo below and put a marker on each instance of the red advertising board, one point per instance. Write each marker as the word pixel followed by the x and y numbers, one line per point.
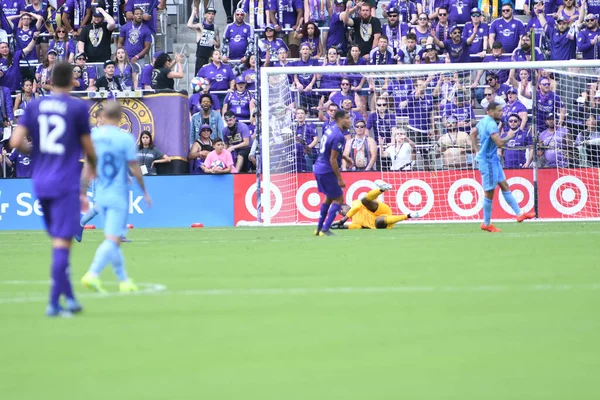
pixel 441 195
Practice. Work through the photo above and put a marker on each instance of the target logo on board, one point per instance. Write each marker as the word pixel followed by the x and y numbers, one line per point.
pixel 358 190
pixel 415 195
pixel 568 195
pixel 522 191
pixel 276 199
pixel 308 200
pixel 465 197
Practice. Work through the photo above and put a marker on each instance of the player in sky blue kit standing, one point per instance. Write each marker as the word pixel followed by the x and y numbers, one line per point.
pixel 59 128
pixel 327 171
pixel 492 174
pixel 116 155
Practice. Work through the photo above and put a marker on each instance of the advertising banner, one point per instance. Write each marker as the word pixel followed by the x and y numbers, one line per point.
pixel 177 201
pixel 441 195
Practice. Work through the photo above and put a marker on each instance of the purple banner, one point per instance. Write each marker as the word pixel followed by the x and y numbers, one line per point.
pixel 165 115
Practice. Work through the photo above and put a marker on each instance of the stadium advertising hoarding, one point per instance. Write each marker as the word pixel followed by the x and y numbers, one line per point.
pixel 178 201
pixel 453 194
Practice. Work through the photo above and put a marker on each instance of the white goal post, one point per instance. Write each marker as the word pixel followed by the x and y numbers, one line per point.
pixel 559 179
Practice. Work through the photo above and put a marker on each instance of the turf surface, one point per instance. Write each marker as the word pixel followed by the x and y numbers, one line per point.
pixel 417 312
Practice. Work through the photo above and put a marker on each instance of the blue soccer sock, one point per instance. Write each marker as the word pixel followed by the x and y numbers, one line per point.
pixel 487 211
pixel 118 264
pixel 60 264
pixel 323 215
pixel 88 216
pixel 512 202
pixel 335 207
pixel 104 255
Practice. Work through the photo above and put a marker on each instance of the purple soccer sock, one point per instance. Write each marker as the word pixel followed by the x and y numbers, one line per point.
pixel 335 207
pixel 60 264
pixel 322 215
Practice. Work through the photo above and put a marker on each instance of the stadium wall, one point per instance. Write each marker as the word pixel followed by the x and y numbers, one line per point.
pixel 179 201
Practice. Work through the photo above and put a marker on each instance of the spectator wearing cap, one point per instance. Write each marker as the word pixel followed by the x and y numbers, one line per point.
pixel 310 33
pixel 258 17
pixel 588 142
pixel 454 145
pixel 270 44
pixel 336 37
pixel 535 22
pixel 207 115
pixel 10 8
pixel 95 38
pixel 289 14
pixel 477 49
pixel 64 46
pixel 109 81
pixel 219 75
pixel 561 37
pixel 553 144
pixel 116 8
pixel 367 28
pixel 458 11
pixel 88 73
pixel 514 106
pixel 6 107
pixel 200 149
pixel 361 149
pixel 166 71
pixel 24 31
pixel 456 47
pixel 518 151
pixel 406 10
pixel 237 38
pixel 588 39
pixel 10 70
pixel 507 29
pixel 500 75
pixel 207 35
pixel 43 73
pixel 236 136
pixel 429 55
pixel 548 102
pixel 76 14
pixel 523 52
pixel 136 38
pixel 149 8
pixel 395 31
pixel 240 101
pixel 441 27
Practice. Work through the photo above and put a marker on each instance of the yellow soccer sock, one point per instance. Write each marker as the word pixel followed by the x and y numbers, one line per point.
pixel 373 194
pixel 392 219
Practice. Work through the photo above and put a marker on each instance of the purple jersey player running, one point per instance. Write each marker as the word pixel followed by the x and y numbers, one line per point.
pixel 59 128
pixel 327 172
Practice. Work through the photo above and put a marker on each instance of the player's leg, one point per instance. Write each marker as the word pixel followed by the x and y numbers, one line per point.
pixel 323 183
pixel 116 232
pixel 85 218
pixel 512 202
pixel 369 201
pixel 489 182
pixel 336 204
pixel 104 254
pixel 328 184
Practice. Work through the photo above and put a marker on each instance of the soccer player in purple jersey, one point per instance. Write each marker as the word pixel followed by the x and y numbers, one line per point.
pixel 327 172
pixel 59 128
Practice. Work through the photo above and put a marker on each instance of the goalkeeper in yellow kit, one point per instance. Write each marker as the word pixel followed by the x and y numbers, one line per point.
pixel 369 213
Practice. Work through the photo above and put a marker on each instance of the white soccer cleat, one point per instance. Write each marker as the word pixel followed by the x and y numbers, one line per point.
pixel 383 186
pixel 414 214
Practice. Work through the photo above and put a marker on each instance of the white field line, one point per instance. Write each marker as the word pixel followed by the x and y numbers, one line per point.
pixel 160 290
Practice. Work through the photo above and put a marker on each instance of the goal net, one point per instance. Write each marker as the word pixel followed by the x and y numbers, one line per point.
pixel 417 122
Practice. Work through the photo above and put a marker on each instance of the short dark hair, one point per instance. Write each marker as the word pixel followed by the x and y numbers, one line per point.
pixel 62 75
pixel 493 105
pixel 229 114
pixel 333 104
pixel 207 96
pixel 340 114
pixel 383 37
pixel 411 35
pixel 217 140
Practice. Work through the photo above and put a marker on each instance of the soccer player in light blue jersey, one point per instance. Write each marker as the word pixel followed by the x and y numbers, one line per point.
pixel 486 141
pixel 116 155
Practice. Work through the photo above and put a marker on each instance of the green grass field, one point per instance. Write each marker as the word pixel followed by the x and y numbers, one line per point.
pixel 417 312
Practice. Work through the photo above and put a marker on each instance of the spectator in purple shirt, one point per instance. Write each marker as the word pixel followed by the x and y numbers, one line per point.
pixel 76 14
pixel 548 102
pixel 148 7
pixel 220 75
pixel 236 136
pixel 514 106
pixel 6 107
pixel 536 24
pixel 309 139
pixel 500 74
pixel 478 48
pixel 517 152
pixel 64 46
pixel 562 39
pixel 136 38
pixel 10 8
pixel 523 53
pixel 382 120
pixel 588 39
pixel 237 38
pixel 240 101
pixel 456 47
pixel 421 30
pixel 336 36
pixel 553 144
pixel 310 33
pixel 20 161
pixel 305 82
pixel 270 43
pixel 507 30
pixel 10 70
pixel 288 14
pixel 441 27
pixel 458 11
pixel 395 31
pixel 406 10
pixel 88 73
pixel 24 31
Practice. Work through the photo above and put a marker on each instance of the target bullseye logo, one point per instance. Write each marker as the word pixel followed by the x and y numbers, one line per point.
pixel 516 185
pixel 276 199
pixel 308 200
pixel 568 195
pixel 420 197
pixel 469 193
pixel 358 190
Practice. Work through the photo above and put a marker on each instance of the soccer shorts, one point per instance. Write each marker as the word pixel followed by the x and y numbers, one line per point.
pixel 327 184
pixel 61 215
pixel 115 221
pixel 491 174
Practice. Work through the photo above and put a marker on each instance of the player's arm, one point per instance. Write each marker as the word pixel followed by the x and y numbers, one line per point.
pixel 499 141
pixel 475 140
pixel 353 210
pixel 90 152
pixel 17 139
pixel 372 153
pixel 136 171
pixel 347 149
pixel 336 168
